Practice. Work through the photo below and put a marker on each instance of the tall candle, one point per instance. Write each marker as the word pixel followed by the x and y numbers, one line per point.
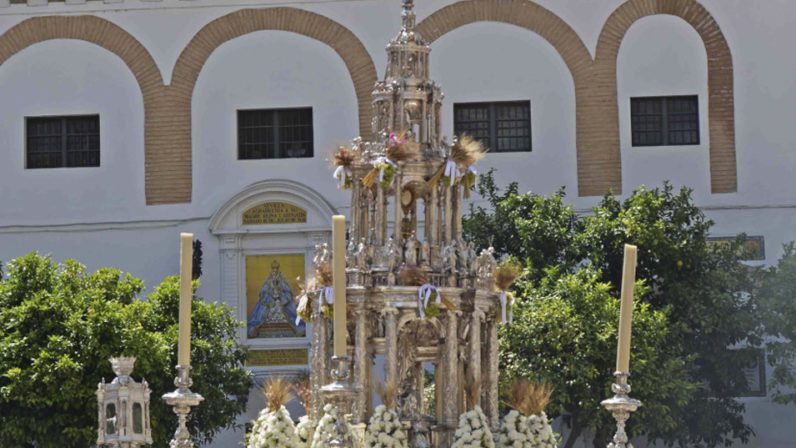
pixel 338 279
pixel 626 309
pixel 186 270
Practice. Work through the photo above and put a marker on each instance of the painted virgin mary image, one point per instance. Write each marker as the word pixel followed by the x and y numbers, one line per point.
pixel 274 314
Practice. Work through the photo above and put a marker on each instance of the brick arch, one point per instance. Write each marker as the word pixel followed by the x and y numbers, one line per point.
pixel 236 24
pixel 113 38
pixel 721 107
pixel 594 175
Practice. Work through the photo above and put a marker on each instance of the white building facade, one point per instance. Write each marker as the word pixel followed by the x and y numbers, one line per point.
pixel 125 122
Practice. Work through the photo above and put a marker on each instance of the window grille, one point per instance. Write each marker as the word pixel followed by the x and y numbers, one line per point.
pixel 275 133
pixel 665 120
pixel 62 142
pixel 501 126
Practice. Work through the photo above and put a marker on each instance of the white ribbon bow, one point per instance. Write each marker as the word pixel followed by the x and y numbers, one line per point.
pixel 298 318
pixel 382 160
pixel 452 170
pixel 424 294
pixel 506 299
pixel 341 173
pixel 328 293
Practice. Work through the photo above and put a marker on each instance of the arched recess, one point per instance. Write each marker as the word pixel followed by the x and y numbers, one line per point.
pixel 592 176
pixel 236 24
pixel 274 218
pixel 113 38
pixel 721 108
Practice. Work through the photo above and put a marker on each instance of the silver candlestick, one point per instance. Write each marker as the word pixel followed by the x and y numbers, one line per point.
pixel 621 406
pixel 182 400
pixel 340 395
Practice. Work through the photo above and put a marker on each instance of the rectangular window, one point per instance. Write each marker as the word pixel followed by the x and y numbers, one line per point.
pixel 62 142
pixel 665 120
pixel 275 133
pixel 501 126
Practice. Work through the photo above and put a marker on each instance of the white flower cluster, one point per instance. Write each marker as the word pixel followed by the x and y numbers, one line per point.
pixel 473 431
pixel 326 427
pixel 303 431
pixel 519 431
pixel 385 430
pixel 273 429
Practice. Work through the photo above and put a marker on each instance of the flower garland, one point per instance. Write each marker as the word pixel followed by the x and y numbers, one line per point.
pixel 520 431
pixel 304 431
pixel 326 430
pixel 473 431
pixel 385 430
pixel 273 429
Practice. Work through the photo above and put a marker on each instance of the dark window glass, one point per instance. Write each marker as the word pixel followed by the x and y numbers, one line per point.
pixel 275 133
pixel 500 126
pixel 58 142
pixel 665 120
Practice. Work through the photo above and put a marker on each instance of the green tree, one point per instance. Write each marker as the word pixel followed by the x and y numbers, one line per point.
pixel 565 332
pixel 706 293
pixel 777 294
pixel 61 324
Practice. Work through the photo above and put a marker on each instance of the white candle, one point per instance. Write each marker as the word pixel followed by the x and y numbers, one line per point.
pixel 186 270
pixel 339 283
pixel 626 309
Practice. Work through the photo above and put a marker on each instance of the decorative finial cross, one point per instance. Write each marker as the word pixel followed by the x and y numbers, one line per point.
pixel 408 15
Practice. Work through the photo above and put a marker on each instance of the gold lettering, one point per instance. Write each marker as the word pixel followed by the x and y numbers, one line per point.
pixel 274 213
pixel 279 357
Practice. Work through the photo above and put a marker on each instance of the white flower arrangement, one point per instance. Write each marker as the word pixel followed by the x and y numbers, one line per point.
pixel 273 429
pixel 520 431
pixel 473 431
pixel 325 430
pixel 385 430
pixel 304 431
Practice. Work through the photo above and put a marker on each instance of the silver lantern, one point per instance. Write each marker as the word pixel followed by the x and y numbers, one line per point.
pixel 123 408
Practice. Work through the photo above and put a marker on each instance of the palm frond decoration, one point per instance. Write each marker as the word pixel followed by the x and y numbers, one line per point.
pixel 528 398
pixel 387 392
pixel 277 392
pixel 467 151
pixel 412 276
pixel 507 273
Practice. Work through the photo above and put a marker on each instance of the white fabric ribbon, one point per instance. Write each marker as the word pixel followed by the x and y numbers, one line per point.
pixel 471 169
pixel 452 170
pixel 341 173
pixel 506 301
pixel 382 160
pixel 423 295
pixel 328 293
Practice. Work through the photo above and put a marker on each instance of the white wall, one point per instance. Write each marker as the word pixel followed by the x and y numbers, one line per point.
pixel 269 69
pixel 67 77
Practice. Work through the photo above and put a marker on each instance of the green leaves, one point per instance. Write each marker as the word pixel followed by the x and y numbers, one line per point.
pixel 61 324
pixel 779 306
pixel 697 317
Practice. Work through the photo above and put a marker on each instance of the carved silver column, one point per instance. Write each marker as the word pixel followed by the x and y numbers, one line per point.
pixel 621 406
pixel 456 211
pixel 398 209
pixel 450 407
pixel 491 392
pixel 355 211
pixel 339 394
pixel 381 215
pixel 475 352
pixel 361 360
pixel 448 215
pixel 320 368
pixel 391 346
